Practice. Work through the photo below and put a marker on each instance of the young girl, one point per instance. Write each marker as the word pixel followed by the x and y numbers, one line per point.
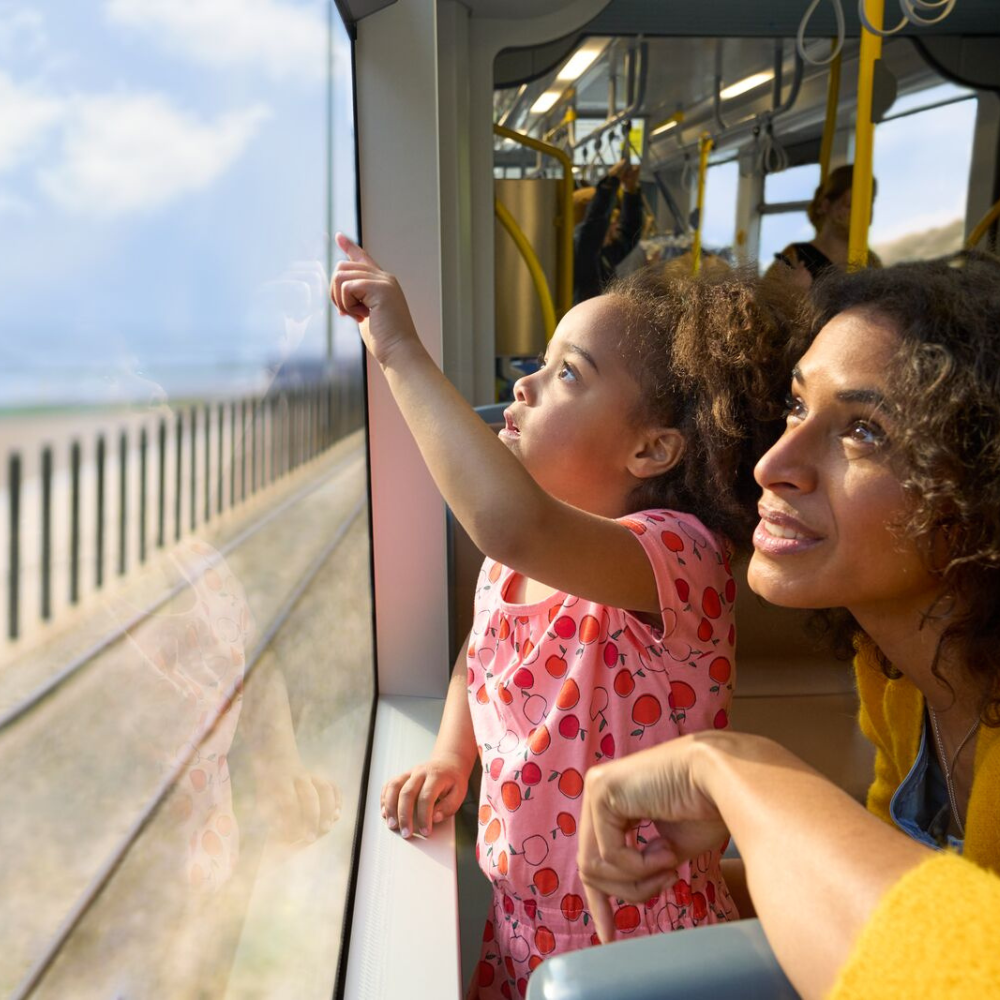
pixel 604 607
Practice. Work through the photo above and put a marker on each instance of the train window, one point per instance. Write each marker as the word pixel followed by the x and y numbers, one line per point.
pixel 923 155
pixel 794 184
pixel 186 667
pixel 720 205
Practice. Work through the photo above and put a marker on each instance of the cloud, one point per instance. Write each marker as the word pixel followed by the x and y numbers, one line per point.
pixel 123 153
pixel 25 118
pixel 283 39
pixel 22 32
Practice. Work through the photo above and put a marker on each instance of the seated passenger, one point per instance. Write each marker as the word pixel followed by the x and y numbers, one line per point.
pixel 604 608
pixel 606 236
pixel 800 264
pixel 881 500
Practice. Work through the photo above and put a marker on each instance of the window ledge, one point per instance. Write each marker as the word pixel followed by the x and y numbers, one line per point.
pixel 404 933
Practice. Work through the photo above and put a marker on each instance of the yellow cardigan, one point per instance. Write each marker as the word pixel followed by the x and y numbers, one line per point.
pixel 892 717
pixel 933 936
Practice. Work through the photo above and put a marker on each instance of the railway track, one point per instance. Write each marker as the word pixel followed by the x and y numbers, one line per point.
pixel 88 757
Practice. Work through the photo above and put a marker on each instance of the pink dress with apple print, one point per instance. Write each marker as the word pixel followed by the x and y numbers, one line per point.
pixel 558 686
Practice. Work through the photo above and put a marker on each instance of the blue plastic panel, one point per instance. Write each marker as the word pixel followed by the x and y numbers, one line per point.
pixel 721 962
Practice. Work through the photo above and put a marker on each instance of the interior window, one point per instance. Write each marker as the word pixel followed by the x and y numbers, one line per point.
pixel 794 184
pixel 719 225
pixel 186 670
pixel 922 161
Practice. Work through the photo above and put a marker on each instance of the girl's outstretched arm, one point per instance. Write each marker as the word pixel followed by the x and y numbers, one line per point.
pixel 817 862
pixel 506 513
pixel 431 792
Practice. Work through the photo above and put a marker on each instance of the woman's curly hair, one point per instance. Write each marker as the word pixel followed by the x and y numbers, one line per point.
pixel 943 387
pixel 711 357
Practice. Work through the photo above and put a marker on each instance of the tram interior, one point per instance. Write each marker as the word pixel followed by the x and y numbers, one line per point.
pixel 421 127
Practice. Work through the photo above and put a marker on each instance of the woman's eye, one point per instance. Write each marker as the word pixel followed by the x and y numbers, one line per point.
pixel 794 407
pixel 866 434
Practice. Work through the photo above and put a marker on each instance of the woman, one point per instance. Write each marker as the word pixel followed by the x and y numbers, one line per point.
pixel 830 213
pixel 881 499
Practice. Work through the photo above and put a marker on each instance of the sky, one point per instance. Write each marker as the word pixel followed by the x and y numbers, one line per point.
pixel 162 192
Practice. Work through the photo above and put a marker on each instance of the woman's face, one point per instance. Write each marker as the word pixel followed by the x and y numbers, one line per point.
pixel 839 213
pixel 830 494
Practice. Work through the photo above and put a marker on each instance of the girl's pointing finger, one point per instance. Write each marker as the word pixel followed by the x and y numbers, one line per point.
pixel 353 251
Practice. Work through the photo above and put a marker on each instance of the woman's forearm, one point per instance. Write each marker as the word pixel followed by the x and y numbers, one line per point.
pixel 817 862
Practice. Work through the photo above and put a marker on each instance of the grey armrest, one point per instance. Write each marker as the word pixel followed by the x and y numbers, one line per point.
pixel 724 962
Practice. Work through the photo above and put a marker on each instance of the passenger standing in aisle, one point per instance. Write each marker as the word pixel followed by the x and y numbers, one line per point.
pixel 607 234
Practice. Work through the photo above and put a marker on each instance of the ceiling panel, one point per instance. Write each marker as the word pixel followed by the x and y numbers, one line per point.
pixel 748 18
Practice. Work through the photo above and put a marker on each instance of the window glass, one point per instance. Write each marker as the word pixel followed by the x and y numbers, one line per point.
pixel 777 231
pixel 927 96
pixel 922 165
pixel 719 226
pixel 794 184
pixel 186 672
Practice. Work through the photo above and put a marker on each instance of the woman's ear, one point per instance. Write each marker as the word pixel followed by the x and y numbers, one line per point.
pixel 660 449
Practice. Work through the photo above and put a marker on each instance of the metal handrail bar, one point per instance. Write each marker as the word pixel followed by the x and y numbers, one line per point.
pixel 705 144
pixel 630 112
pixel 564 281
pixel 533 264
pixel 864 140
pixel 830 122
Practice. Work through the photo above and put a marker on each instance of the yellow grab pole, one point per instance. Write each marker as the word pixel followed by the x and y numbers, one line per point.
pixel 534 266
pixel 830 125
pixel 864 141
pixel 984 224
pixel 564 281
pixel 705 145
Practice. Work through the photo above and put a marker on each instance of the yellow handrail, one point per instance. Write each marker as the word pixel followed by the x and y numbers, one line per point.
pixel 534 266
pixel 984 224
pixel 705 145
pixel 564 280
pixel 864 141
pixel 830 124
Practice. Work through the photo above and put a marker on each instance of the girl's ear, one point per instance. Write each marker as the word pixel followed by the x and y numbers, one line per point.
pixel 660 449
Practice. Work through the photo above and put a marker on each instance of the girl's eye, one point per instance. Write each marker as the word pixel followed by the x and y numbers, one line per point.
pixel 866 434
pixel 567 372
pixel 540 361
pixel 794 408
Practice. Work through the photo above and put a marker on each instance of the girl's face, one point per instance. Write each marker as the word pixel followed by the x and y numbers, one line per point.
pixel 569 424
pixel 830 498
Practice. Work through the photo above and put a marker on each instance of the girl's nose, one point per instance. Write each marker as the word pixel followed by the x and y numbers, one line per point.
pixel 524 389
pixel 789 464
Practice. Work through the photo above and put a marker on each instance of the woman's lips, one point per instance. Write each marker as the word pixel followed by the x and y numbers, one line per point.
pixel 781 534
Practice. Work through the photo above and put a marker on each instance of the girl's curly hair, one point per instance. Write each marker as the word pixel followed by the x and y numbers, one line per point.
pixel 711 357
pixel 944 391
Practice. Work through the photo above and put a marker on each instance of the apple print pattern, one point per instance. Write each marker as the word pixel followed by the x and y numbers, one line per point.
pixel 555 688
pixel 199 656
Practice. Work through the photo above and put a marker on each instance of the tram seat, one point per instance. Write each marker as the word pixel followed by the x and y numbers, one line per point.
pixel 721 962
